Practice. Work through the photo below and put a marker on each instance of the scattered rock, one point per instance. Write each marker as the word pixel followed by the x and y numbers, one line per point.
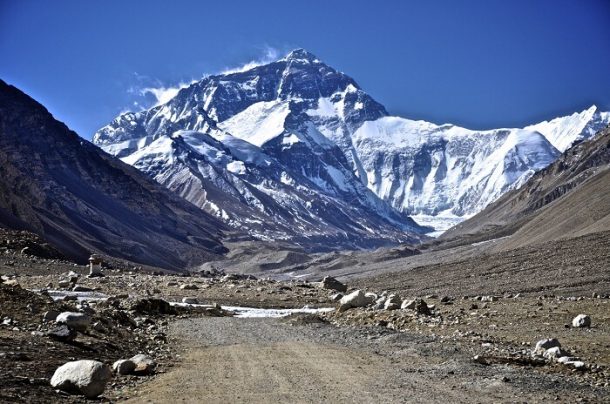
pixel 86 377
pixel 62 333
pixel 554 353
pixel 189 286
pixel 575 364
pixel 544 344
pixel 336 297
pixel 12 282
pixel 50 315
pixel 74 320
pixel 416 304
pixel 124 367
pixel 144 364
pixel 393 302
pixel 151 305
pixel 333 284
pixel 446 300
pixel 354 299
pixel 581 321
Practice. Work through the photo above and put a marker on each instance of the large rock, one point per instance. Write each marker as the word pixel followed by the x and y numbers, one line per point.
pixel 86 377
pixel 355 299
pixel 144 364
pixel 74 320
pixel 581 321
pixel 333 284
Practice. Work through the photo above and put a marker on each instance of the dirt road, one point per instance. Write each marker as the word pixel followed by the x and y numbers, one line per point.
pixel 268 360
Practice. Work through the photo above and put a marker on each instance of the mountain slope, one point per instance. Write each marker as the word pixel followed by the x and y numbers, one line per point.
pixel 564 132
pixel 321 126
pixel 570 198
pixel 266 169
pixel 83 200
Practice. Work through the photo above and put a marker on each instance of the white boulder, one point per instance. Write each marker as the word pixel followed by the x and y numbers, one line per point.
pixel 74 320
pixel 581 321
pixel 355 299
pixel 86 377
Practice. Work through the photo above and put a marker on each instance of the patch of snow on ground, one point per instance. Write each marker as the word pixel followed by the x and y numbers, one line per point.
pixel 80 296
pixel 253 312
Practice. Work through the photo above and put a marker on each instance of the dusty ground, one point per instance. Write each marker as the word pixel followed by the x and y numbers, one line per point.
pixel 269 360
pixel 360 355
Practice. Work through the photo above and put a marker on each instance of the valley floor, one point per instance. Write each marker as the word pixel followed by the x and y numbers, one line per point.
pixel 279 360
pixel 489 305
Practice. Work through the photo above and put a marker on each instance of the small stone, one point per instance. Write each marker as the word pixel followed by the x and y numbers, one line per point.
pixel 99 327
pixel 393 302
pixel 336 297
pixel 62 333
pixel 144 364
pixel 566 359
pixel 581 321
pixel 554 353
pixel 544 344
pixel 578 365
pixel 124 366
pixel 416 304
pixel 50 315
pixel 189 286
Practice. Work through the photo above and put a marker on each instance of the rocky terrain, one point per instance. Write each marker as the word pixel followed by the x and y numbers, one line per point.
pixel 422 334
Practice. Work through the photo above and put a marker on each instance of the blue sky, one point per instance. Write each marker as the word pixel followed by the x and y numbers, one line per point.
pixel 480 64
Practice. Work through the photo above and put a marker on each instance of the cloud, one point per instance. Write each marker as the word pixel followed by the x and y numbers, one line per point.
pixel 163 94
pixel 151 92
pixel 269 55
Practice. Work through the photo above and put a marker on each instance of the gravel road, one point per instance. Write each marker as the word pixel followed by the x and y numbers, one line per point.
pixel 268 360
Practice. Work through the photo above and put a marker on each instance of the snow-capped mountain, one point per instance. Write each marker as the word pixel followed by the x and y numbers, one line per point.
pixel 297 130
pixel 565 131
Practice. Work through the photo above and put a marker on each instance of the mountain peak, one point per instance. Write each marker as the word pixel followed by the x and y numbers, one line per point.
pixel 301 54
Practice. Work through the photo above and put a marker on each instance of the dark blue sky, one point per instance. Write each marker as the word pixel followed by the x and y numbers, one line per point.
pixel 480 64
